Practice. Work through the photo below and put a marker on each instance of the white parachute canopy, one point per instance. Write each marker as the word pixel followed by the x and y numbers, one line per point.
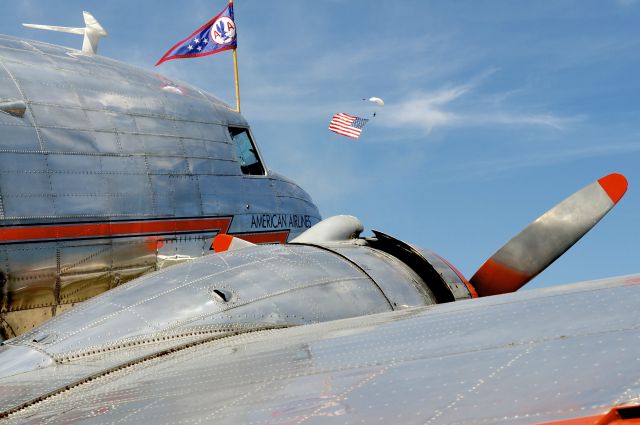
pixel 377 101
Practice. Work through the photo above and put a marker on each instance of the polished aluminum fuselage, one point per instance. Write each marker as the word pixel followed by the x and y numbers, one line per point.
pixel 244 290
pixel 113 172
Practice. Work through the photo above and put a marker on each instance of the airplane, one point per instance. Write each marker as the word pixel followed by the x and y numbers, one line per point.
pixel 336 327
pixel 333 327
pixel 110 172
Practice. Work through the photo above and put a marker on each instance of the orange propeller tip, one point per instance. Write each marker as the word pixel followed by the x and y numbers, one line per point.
pixel 615 185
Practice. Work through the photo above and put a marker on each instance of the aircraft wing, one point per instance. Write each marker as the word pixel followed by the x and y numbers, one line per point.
pixel 565 355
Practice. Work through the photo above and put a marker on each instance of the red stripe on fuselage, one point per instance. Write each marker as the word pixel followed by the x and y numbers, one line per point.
pixel 264 237
pixel 113 229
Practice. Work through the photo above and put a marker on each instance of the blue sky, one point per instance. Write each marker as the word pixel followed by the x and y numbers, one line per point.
pixel 496 110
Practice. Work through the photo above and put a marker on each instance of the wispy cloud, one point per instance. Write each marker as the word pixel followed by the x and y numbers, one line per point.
pixel 425 111
pixel 541 120
pixel 489 169
pixel 442 108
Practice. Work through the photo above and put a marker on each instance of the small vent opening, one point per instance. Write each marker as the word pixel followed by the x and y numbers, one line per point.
pixel 223 296
pixel 16 108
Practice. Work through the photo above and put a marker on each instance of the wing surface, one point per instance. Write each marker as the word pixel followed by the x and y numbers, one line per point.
pixel 530 357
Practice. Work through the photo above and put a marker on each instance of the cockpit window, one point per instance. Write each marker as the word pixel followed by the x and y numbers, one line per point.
pixel 246 150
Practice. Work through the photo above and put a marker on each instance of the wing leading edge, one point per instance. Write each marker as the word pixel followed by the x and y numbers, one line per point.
pixel 531 357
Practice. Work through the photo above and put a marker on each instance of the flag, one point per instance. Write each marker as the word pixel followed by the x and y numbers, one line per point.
pixel 347 125
pixel 215 36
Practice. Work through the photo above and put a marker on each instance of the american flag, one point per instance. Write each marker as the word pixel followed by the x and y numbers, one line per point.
pixel 347 125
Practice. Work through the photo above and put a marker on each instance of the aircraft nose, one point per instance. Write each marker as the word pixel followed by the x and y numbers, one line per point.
pixel 17 359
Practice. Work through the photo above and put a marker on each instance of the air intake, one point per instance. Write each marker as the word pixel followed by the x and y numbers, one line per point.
pixel 13 107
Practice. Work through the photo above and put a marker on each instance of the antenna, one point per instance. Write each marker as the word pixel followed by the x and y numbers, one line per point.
pixel 92 32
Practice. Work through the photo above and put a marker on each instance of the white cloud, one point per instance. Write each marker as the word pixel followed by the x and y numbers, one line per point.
pixel 541 120
pixel 427 111
pixel 489 169
pixel 424 111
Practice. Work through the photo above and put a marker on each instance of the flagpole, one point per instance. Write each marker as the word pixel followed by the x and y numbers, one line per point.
pixel 235 67
pixel 235 70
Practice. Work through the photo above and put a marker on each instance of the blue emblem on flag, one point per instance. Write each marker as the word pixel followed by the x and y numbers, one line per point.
pixel 215 36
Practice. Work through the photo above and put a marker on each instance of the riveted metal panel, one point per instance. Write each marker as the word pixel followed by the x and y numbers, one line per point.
pixel 194 147
pixel 200 111
pixel 21 207
pixel 21 184
pixel 44 87
pixel 12 43
pixel 220 150
pixel 8 89
pixel 214 132
pixel 123 123
pixel 68 140
pixel 163 192
pixel 22 163
pixel 131 143
pixel 68 184
pixel 186 197
pixel 142 102
pixel 200 165
pixel 496 360
pixel 188 130
pixel 156 125
pixel 85 256
pixel 85 270
pixel 135 182
pixel 178 249
pixel 161 145
pixel 123 164
pixel 75 288
pixel 255 191
pixel 31 276
pixel 85 164
pixel 167 165
pixel 132 254
pixel 47 115
pixel 99 120
pixel 127 194
pixel 18 59
pixel 134 204
pixel 177 108
pixel 68 204
pixel 105 142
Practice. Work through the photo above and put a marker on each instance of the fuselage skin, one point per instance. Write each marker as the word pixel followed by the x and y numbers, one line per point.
pixel 112 172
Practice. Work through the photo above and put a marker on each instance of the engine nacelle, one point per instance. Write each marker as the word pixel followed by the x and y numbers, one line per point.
pixel 251 288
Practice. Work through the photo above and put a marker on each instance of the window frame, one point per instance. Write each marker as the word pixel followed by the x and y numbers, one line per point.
pixel 254 145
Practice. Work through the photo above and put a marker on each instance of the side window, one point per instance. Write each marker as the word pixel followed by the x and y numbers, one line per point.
pixel 247 154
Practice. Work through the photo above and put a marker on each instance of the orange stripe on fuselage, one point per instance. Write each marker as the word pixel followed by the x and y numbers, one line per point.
pixel 111 229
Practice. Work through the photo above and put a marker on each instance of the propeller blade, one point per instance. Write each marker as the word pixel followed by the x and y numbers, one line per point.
pixel 547 238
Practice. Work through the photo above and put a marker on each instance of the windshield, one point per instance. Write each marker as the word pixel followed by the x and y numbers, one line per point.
pixel 246 151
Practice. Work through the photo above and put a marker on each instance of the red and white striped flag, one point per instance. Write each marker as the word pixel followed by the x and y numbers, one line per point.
pixel 347 125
